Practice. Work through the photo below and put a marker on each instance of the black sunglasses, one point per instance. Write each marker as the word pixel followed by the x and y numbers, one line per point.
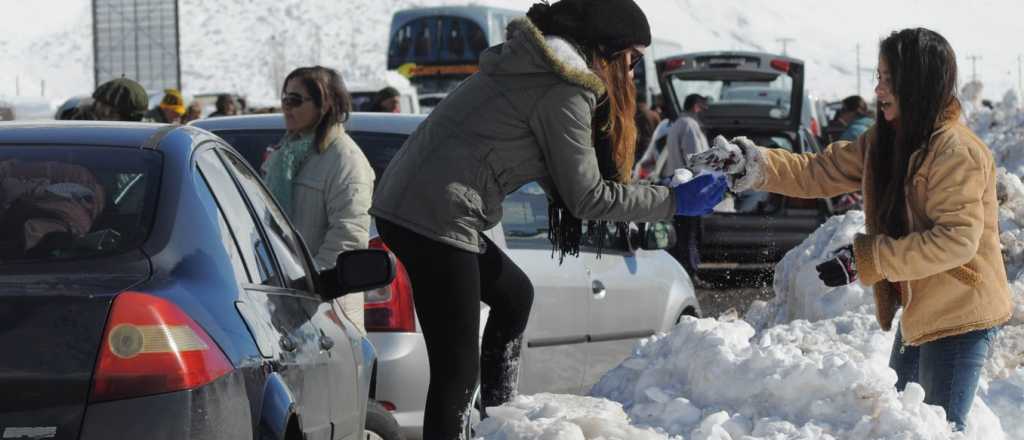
pixel 293 100
pixel 637 57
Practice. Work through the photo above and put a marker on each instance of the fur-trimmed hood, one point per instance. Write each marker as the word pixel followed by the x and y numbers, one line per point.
pixel 527 51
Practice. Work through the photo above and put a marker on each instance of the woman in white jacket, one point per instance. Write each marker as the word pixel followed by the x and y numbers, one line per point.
pixel 319 175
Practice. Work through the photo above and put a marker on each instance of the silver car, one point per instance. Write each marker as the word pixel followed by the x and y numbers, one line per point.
pixel 588 312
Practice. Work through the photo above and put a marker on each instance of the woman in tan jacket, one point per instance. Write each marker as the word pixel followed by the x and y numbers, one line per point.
pixel 932 241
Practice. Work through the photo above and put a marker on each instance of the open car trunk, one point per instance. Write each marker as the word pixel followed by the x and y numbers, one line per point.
pixel 759 96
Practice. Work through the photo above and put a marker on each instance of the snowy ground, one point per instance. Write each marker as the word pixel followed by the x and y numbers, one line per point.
pixel 810 364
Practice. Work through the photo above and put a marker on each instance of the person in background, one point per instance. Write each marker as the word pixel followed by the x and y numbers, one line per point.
pixel 647 121
pixel 319 175
pixel 119 99
pixel 856 117
pixel 387 100
pixel 170 110
pixel 193 112
pixel 226 106
pixel 526 116
pixel 685 137
pixel 931 243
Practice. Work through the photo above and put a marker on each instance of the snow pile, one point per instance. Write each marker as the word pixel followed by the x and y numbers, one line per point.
pixel 560 417
pixel 826 379
pixel 799 293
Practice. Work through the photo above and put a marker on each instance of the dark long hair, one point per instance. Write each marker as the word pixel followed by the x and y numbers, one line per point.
pixel 923 69
pixel 329 94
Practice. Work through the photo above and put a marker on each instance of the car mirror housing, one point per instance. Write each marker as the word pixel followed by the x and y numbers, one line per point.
pixel 357 271
pixel 658 235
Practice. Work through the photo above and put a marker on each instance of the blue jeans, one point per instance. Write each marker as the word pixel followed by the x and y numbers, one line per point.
pixel 947 369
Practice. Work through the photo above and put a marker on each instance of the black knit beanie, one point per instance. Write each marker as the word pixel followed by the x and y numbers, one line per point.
pixel 606 25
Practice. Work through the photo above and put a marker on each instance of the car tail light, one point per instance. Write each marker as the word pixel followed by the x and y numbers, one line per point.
pixel 387 405
pixel 151 346
pixel 815 128
pixel 674 64
pixel 390 308
pixel 780 65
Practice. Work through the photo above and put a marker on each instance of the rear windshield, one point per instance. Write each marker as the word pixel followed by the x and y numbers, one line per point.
pixel 776 94
pixel 255 145
pixel 60 203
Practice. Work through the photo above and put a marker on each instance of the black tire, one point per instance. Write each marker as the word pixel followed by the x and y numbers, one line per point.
pixel 380 423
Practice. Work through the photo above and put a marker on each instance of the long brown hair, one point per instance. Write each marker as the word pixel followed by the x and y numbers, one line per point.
pixel 329 94
pixel 923 68
pixel 621 98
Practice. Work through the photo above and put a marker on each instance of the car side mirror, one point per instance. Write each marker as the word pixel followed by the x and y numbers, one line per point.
pixel 658 235
pixel 357 271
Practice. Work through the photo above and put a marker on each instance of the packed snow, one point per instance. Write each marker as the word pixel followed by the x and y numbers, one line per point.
pixel 810 364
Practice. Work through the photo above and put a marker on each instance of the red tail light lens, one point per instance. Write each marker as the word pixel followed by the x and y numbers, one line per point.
pixel 390 308
pixel 674 64
pixel 780 65
pixel 151 346
pixel 815 128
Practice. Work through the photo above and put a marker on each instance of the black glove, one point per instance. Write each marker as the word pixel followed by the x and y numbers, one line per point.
pixel 840 270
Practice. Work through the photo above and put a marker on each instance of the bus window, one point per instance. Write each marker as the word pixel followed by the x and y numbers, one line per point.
pixel 455 39
pixel 401 42
pixel 424 39
pixel 477 39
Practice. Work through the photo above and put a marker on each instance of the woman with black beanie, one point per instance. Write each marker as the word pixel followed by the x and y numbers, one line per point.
pixel 526 116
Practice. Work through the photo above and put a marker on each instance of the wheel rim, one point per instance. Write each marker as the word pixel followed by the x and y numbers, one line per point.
pixel 370 435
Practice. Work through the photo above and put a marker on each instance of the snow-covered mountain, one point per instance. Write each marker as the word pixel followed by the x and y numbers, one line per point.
pixel 245 45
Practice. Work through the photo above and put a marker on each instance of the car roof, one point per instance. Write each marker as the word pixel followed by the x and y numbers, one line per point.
pixel 358 121
pixel 105 133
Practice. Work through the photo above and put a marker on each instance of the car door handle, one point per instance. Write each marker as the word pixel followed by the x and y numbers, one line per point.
pixel 598 289
pixel 326 342
pixel 287 343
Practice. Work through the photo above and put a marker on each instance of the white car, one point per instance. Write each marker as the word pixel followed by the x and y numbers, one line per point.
pixel 588 312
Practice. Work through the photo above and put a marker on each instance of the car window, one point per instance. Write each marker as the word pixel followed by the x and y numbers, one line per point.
pixel 74 202
pixel 290 252
pixel 226 236
pixel 525 223
pixel 525 218
pixel 379 148
pixel 254 145
pixel 252 246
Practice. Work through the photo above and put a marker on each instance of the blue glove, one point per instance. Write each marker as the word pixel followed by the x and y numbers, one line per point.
pixel 700 195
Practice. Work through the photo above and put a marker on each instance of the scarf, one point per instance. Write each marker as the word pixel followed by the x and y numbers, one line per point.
pixel 565 231
pixel 284 165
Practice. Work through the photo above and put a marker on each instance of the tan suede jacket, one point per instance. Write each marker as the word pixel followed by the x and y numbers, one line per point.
pixel 950 267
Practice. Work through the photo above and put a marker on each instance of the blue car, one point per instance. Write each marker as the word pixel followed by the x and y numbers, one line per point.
pixel 150 287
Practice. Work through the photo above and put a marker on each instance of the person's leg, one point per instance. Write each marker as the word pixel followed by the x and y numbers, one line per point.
pixel 904 359
pixel 446 292
pixel 949 372
pixel 509 293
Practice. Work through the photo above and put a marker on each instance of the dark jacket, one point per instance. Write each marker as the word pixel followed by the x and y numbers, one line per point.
pixel 526 116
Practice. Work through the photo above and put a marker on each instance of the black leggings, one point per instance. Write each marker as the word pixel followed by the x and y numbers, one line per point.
pixel 448 285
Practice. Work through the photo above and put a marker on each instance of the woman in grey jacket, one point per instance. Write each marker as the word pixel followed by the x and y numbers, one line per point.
pixel 319 175
pixel 526 116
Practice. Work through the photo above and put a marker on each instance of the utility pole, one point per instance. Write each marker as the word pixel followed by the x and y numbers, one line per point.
pixel 858 69
pixel 974 66
pixel 785 42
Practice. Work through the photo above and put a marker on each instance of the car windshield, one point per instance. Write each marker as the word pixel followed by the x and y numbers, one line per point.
pixel 775 94
pixel 73 202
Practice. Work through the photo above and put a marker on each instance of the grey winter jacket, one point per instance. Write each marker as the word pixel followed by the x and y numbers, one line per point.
pixel 526 116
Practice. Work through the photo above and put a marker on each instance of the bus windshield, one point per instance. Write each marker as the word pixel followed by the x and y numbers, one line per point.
pixel 438 40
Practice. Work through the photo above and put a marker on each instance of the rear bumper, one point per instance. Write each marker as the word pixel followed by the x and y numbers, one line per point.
pixel 402 377
pixel 219 410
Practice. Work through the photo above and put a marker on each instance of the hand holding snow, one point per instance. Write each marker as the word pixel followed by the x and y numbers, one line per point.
pixel 723 157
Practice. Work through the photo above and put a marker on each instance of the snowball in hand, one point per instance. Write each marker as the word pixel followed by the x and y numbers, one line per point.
pixel 680 176
pixel 724 157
